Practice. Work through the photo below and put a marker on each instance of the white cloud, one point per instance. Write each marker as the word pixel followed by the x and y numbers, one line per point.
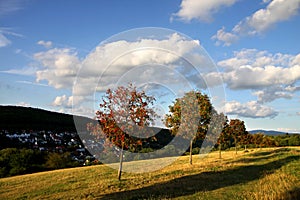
pixel 253 69
pixel 201 10
pixel 46 44
pixel 251 109
pixel 144 60
pixel 23 104
pixel 111 61
pixel 269 76
pixel 8 6
pixel 4 31
pixel 63 101
pixel 3 40
pixel 271 94
pixel 276 11
pixel 224 37
pixel 27 71
pixel 248 77
pixel 59 67
pixel 288 130
pixel 263 19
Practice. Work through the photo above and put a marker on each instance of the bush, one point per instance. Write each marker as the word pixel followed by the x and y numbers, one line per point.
pixel 59 161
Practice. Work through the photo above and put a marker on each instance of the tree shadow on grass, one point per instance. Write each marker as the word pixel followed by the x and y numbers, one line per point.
pixel 205 181
pixel 261 156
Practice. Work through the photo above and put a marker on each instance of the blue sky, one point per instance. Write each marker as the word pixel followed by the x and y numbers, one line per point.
pixel 44 45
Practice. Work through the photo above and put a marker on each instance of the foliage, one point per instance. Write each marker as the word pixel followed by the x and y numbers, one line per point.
pixel 23 161
pixel 190 116
pixel 237 131
pixel 124 112
pixel 20 161
pixel 60 161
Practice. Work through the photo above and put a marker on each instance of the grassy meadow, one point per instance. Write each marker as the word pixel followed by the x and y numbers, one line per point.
pixel 270 173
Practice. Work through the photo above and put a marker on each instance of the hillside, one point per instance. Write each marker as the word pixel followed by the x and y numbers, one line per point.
pixel 271 173
pixel 26 118
pixel 14 118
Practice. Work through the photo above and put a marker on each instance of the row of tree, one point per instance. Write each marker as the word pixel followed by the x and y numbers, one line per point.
pixel 126 113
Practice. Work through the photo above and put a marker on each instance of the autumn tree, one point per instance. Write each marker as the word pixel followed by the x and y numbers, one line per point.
pixel 237 131
pixel 257 139
pixel 123 115
pixel 189 117
pixel 220 130
pixel 246 139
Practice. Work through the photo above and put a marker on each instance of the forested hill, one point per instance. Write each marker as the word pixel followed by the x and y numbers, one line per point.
pixel 20 118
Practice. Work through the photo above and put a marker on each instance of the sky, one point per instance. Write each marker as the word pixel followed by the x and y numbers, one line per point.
pixel 62 55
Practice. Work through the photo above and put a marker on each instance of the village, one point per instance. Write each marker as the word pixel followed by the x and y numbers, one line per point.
pixel 52 141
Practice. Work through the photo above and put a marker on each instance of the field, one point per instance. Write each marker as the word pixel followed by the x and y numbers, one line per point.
pixel 271 173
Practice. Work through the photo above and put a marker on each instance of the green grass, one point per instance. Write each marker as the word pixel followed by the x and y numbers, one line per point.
pixel 271 173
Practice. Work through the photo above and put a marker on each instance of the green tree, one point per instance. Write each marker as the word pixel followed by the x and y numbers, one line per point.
pixel 189 117
pixel 124 112
pixel 237 131
pixel 59 161
pixel 223 136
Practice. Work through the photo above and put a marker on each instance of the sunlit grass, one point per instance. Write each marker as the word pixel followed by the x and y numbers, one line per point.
pixel 271 173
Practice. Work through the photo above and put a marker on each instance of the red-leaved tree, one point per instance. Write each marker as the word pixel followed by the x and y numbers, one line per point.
pixel 123 115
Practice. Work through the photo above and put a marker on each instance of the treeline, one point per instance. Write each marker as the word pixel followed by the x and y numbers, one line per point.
pixel 15 161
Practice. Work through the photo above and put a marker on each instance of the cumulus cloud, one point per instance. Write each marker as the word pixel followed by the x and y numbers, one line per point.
pixel 63 101
pixel 268 76
pixel 109 62
pixel 251 109
pixel 253 69
pixel 224 37
pixel 46 44
pixel 201 10
pixel 59 67
pixel 262 20
pixel 249 77
pixel 144 60
pixel 271 94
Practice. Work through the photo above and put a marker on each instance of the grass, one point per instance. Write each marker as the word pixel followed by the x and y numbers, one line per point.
pixel 271 173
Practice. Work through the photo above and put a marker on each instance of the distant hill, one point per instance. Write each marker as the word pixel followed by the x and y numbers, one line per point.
pixel 16 118
pixel 269 132
pixel 26 118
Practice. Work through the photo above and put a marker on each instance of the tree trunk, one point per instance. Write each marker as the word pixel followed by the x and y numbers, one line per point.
pixel 121 163
pixel 191 151
pixel 235 147
pixel 220 149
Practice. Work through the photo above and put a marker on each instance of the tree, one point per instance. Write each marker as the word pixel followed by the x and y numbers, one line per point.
pixel 246 139
pixel 189 117
pixel 257 139
pixel 222 122
pixel 124 112
pixel 237 131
